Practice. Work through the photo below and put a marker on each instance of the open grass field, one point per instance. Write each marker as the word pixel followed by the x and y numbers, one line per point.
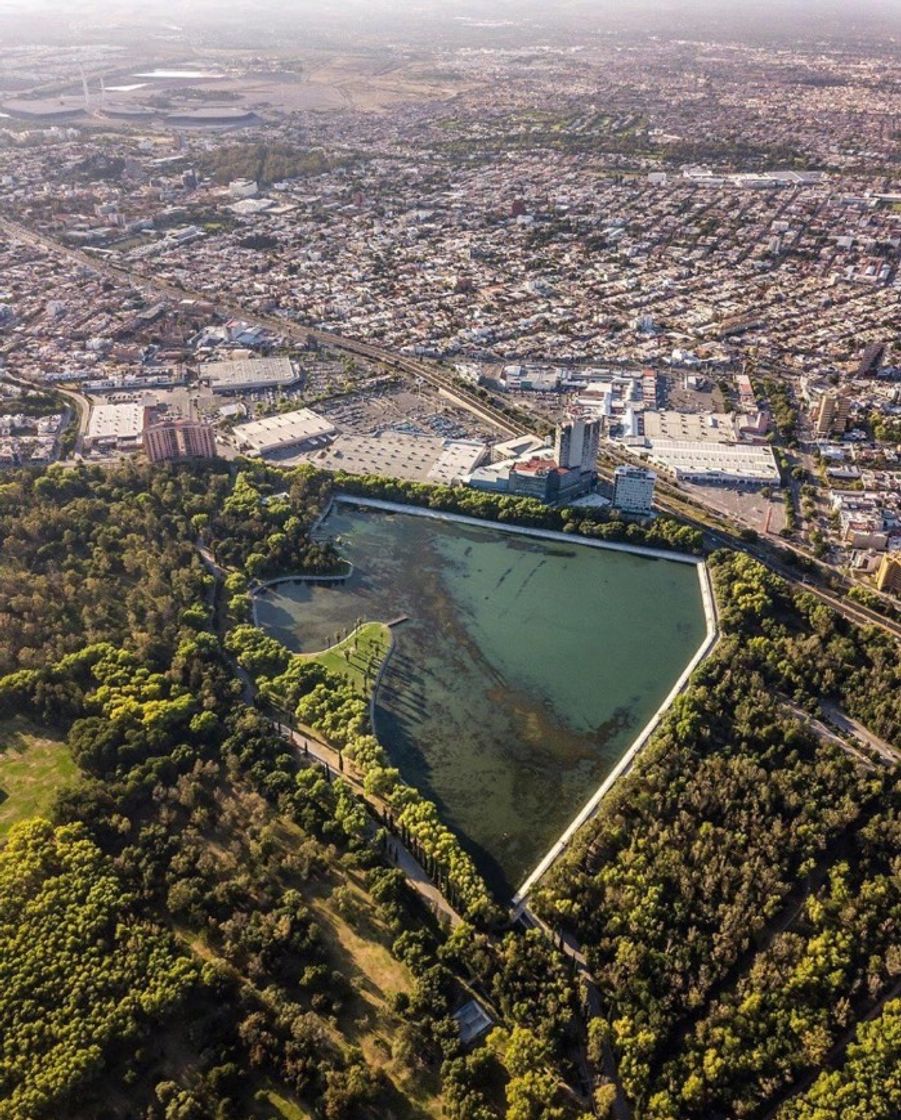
pixel 358 656
pixel 280 1106
pixel 34 764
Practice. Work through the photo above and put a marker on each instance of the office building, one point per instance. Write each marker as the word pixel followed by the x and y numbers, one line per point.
pixel 173 440
pixel 544 480
pixel 576 445
pixel 633 489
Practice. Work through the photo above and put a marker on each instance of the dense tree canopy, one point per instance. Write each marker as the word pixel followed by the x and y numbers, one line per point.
pixel 669 915
pixel 79 970
pixel 203 886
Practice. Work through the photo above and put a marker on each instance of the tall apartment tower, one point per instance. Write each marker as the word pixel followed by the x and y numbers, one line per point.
pixel 179 439
pixel 633 489
pixel 576 445
pixel 832 415
pixel 888 578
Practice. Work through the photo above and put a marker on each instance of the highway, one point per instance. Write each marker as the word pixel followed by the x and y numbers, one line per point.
pixel 716 531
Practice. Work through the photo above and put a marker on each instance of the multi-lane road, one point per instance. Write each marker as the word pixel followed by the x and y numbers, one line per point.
pixel 717 531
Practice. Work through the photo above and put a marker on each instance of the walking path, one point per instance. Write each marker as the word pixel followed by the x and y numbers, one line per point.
pixel 836 1055
pixel 569 946
pixel 710 639
pixel 852 727
pixel 826 734
pixel 398 852
pixel 521 530
pixel 625 763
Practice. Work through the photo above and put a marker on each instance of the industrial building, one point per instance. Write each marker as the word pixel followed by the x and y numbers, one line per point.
pixel 702 447
pixel 633 490
pixel 299 430
pixel 173 440
pixel 244 375
pixel 701 461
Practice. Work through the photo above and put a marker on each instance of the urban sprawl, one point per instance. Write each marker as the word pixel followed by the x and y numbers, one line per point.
pixel 557 273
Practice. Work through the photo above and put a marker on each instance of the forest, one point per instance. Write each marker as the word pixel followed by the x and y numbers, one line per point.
pixel 726 980
pixel 207 925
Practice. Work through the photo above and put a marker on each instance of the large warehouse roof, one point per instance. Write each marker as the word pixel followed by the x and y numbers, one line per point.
pixel 399 455
pixel 116 421
pixel 285 429
pixel 700 460
pixel 235 376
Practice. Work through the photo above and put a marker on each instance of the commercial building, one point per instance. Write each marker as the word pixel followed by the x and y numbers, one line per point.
pixel 179 439
pixel 545 480
pixel 702 447
pixel 888 578
pixel 633 489
pixel 244 375
pixel 116 425
pixel 576 445
pixel 708 462
pixel 553 475
pixel 516 447
pixel 299 430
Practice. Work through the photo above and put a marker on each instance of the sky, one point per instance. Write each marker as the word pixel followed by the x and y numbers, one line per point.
pixel 719 17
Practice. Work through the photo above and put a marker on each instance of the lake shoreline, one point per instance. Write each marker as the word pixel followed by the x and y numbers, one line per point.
pixel 517 656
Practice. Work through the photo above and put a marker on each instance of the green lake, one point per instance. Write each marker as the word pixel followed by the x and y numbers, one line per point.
pixel 524 671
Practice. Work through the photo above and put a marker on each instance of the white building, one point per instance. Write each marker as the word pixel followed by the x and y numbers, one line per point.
pixel 709 462
pixel 399 455
pixel 301 429
pixel 243 375
pixel 243 188
pixel 633 489
pixel 116 425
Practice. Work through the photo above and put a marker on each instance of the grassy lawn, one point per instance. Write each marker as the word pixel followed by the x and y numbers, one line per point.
pixel 281 1107
pixel 358 947
pixel 33 766
pixel 358 656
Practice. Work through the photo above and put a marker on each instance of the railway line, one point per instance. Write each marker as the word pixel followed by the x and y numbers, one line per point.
pixel 716 531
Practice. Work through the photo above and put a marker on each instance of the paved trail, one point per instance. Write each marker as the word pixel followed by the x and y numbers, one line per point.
pixel 398 852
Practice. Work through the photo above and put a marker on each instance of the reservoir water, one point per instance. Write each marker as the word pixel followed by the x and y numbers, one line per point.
pixel 525 670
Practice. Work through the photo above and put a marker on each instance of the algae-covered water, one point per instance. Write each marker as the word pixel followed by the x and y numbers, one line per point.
pixel 524 671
